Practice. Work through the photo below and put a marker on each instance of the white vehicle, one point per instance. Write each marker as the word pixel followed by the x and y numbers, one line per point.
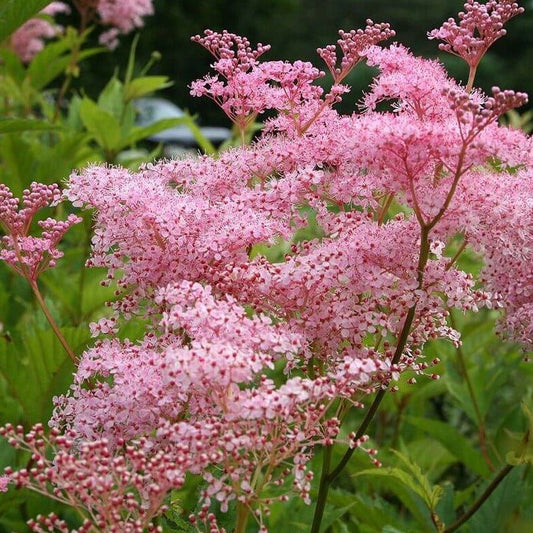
pixel 151 110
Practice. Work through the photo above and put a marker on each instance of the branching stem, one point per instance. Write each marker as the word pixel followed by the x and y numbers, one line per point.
pixel 42 304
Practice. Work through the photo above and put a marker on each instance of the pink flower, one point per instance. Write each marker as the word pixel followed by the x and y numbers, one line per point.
pixel 28 255
pixel 4 482
pixel 28 40
pixel 480 25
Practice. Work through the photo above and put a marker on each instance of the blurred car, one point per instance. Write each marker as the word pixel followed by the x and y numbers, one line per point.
pixel 151 110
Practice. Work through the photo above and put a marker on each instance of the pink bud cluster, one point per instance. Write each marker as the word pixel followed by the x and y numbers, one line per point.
pixel 249 87
pixel 353 45
pixel 28 40
pixel 29 256
pixel 118 493
pixel 480 25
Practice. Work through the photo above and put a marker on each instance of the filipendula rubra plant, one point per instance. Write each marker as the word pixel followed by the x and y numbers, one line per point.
pixel 343 315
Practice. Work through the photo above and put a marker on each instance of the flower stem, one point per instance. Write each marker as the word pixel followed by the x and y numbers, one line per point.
pixel 243 513
pixel 471 77
pixel 327 476
pixel 481 500
pixel 51 321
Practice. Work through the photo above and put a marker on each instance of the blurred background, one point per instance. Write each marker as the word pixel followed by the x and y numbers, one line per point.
pixel 295 28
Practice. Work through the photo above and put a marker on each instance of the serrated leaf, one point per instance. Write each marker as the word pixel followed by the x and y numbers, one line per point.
pixel 454 442
pixel 412 495
pixel 409 498
pixel 36 368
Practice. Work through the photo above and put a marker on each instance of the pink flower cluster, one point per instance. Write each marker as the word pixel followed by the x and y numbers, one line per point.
pixel 250 87
pixel 244 359
pixel 29 256
pixel 122 494
pixel 480 25
pixel 122 15
pixel 28 40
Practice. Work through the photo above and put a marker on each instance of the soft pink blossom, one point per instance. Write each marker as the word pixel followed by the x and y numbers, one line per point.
pixel 28 40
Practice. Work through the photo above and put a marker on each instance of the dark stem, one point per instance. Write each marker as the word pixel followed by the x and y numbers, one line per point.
pixel 327 477
pixel 491 488
pixel 481 500
pixel 323 490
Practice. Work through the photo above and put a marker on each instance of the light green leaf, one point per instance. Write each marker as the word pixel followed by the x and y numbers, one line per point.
pixel 104 127
pixel 403 486
pixel 17 125
pixel 454 442
pixel 203 142
pixel 111 98
pixel 145 85
pixel 138 134
pixel 53 60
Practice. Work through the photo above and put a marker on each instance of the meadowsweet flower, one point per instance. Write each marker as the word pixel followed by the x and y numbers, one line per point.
pixel 480 25
pixel 353 45
pixel 4 481
pixel 28 40
pixel 342 314
pixel 120 17
pixel 28 255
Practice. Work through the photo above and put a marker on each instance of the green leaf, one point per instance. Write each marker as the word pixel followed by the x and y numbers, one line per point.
pixel 12 66
pixel 35 368
pixel 408 489
pixel 145 85
pixel 332 514
pixel 111 98
pixel 454 442
pixel 17 169
pixel 523 452
pixel 104 127
pixel 17 125
pixel 131 60
pixel 138 134
pixel 445 508
pixel 502 503
pixel 53 60
pixel 14 13
pixel 203 142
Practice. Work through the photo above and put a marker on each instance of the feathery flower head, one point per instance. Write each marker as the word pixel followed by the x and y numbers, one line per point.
pixel 480 25
pixel 353 45
pixel 28 255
